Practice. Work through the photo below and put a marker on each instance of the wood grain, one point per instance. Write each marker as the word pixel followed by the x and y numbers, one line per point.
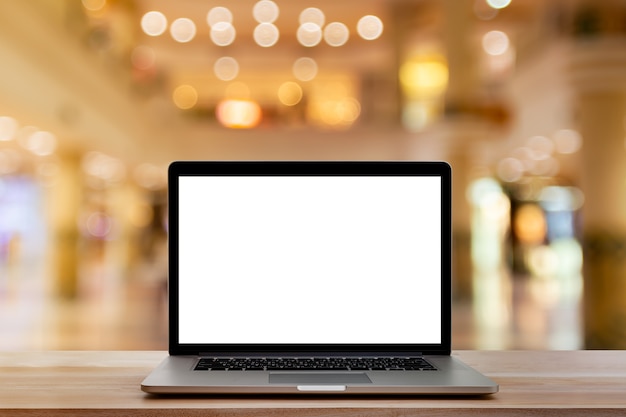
pixel 92 383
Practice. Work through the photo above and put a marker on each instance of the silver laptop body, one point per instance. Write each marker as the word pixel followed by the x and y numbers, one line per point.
pixel 311 278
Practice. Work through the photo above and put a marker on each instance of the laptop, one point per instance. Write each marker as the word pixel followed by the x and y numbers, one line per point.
pixel 311 278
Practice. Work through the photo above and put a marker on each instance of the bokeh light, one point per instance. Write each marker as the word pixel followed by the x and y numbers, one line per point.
pixel 226 68
pixel 305 69
pixel 529 224
pixel 309 34
pixel 495 43
pixel 150 176
pixel 567 141
pixel 154 23
pixel 290 93
pixel 336 34
pixel 312 15
pixel 223 33
pixel 499 4
pixel 103 167
pixel 510 169
pixel 424 76
pixel 370 27
pixel 94 5
pixel 265 11
pixel 219 15
pixel 41 143
pixel 266 35
pixel 183 30
pixel 239 114
pixel 185 97
pixel 8 128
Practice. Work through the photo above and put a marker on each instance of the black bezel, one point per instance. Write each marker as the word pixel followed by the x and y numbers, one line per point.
pixel 305 168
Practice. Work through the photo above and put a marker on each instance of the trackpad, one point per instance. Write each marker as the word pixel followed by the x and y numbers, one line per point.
pixel 319 378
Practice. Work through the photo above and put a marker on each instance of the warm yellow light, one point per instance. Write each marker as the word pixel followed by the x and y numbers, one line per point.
pixel 424 78
pixel 529 224
pixel 140 215
pixel 185 97
pixel 94 5
pixel 338 113
pixel 290 93
pixel 239 114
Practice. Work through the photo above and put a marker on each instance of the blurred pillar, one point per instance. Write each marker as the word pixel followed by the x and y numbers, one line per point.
pixel 63 205
pixel 462 124
pixel 472 120
pixel 598 72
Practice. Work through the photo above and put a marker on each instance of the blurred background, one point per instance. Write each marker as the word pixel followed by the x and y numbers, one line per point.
pixel 525 98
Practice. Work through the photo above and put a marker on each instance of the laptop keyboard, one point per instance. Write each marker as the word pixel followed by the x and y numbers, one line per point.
pixel 314 364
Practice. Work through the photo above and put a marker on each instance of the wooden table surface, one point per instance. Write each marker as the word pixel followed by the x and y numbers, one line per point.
pixel 93 383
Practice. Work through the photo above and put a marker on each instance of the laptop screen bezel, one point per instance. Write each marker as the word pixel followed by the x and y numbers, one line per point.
pixel 309 168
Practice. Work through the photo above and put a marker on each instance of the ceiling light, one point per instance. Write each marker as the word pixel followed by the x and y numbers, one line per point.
pixel 183 30
pixel 223 33
pixel 336 34
pixel 498 4
pixel 265 11
pixel 370 27
pixel 154 23
pixel 219 14
pixel 312 15
pixel 309 34
pixel 266 35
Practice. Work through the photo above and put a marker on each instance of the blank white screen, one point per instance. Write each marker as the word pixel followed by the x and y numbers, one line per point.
pixel 273 259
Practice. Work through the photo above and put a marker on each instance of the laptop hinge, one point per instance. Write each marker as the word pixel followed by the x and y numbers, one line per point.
pixel 307 354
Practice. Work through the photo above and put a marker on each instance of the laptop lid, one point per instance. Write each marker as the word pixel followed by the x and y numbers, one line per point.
pixel 329 258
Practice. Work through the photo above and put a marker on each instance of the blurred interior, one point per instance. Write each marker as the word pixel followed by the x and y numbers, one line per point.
pixel 525 98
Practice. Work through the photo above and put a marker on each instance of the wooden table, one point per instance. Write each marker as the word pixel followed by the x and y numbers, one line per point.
pixel 91 383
